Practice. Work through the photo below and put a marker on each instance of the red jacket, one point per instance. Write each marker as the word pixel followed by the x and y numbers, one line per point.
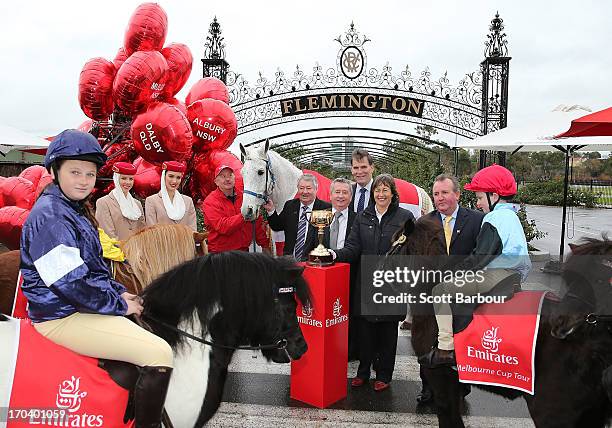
pixel 226 227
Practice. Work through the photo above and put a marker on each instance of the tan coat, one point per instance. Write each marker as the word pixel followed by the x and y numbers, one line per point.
pixel 110 218
pixel 156 212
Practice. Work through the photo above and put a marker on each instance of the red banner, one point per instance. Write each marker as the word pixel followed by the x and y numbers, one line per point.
pixel 498 347
pixel 55 387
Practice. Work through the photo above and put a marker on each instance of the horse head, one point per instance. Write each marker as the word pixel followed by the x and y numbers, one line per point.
pixel 290 288
pixel 258 179
pixel 588 302
pixel 237 298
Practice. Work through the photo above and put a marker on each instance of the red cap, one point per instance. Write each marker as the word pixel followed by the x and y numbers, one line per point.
pixel 174 166
pixel 221 168
pixel 124 168
pixel 493 179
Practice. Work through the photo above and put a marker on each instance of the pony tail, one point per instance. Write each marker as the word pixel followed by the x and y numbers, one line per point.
pixel 88 212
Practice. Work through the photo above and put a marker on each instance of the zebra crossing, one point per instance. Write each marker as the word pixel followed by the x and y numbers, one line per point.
pixel 257 395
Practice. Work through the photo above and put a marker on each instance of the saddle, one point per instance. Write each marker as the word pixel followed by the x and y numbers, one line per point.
pixel 506 286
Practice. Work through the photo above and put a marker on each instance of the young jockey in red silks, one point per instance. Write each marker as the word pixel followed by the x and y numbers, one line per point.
pixel 72 299
pixel 501 250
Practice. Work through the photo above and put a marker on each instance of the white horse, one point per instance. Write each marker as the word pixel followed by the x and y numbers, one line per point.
pixel 267 175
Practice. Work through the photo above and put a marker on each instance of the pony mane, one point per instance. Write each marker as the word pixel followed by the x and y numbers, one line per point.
pixel 157 249
pixel 239 286
pixel 578 264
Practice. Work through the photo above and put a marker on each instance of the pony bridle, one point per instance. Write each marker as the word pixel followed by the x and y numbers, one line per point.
pixel 280 343
pixel 269 186
pixel 592 318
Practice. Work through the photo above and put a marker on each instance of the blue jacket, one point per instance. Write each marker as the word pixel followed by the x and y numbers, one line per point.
pixel 61 262
pixel 514 254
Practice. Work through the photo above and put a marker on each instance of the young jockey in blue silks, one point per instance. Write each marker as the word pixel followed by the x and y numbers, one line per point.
pixel 72 299
pixel 501 249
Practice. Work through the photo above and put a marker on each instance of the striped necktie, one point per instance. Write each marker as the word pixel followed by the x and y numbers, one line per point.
pixel 301 235
pixel 361 202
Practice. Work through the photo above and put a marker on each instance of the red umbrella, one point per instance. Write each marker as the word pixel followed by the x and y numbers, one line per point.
pixel 596 124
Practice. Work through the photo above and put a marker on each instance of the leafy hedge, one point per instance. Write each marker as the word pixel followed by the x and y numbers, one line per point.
pixel 551 193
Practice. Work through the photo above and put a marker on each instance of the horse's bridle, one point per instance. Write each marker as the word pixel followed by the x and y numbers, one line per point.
pixel 591 318
pixel 279 344
pixel 267 193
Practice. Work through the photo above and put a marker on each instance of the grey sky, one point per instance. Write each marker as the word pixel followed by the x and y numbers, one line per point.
pixel 560 49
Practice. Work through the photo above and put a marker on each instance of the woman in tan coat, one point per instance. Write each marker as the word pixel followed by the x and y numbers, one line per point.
pixel 169 206
pixel 118 213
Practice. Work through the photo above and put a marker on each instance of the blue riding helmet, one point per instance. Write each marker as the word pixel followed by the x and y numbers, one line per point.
pixel 76 145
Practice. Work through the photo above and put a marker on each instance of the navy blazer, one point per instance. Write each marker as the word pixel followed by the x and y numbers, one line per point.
pixel 465 232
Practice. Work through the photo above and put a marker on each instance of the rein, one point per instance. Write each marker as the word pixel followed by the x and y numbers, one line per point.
pixel 280 344
pixel 591 318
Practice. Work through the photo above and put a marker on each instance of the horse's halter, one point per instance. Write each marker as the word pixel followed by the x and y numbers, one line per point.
pixel 592 318
pixel 267 193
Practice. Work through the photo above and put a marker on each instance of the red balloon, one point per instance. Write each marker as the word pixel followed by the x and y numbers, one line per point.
pixel 139 81
pixel 178 104
pixel 38 176
pixel 118 152
pixel 18 191
pixel 11 221
pixel 180 61
pixel 96 88
pixel 147 178
pixel 147 29
pixel 208 87
pixel 213 123
pixel 85 126
pixel 120 58
pixel 162 133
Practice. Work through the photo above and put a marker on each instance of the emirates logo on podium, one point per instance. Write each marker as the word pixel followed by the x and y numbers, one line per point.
pixel 337 307
pixel 307 310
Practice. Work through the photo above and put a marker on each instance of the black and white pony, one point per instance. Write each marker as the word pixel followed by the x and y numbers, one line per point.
pixel 232 299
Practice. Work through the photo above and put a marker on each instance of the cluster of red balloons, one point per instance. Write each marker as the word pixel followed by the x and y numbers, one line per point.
pixel 17 195
pixel 141 83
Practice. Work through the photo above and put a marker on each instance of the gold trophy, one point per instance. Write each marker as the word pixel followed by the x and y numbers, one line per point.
pixel 320 256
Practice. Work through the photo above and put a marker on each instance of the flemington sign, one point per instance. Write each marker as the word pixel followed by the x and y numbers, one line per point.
pixel 352 102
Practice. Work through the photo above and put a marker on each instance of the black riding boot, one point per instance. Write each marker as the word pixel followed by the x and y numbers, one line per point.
pixel 150 395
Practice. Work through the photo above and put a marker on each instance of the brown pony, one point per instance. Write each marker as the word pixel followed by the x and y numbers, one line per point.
pixel 569 369
pixel 150 252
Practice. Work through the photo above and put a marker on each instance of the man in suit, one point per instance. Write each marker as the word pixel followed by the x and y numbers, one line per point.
pixel 300 235
pixel 362 168
pixel 341 192
pixel 460 227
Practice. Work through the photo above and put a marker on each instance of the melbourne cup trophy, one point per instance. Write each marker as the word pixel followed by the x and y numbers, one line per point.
pixel 320 256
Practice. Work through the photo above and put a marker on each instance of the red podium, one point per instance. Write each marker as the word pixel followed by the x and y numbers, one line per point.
pixel 319 377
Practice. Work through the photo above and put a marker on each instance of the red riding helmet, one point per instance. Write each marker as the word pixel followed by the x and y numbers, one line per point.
pixel 493 179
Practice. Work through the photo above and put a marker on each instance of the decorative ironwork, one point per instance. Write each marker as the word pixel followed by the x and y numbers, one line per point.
pixel 495 71
pixel 453 108
pixel 214 63
pixel 497 44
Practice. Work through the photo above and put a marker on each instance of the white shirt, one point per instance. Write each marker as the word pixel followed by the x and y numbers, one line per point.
pixel 342 224
pixel 453 216
pixel 380 215
pixel 368 188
